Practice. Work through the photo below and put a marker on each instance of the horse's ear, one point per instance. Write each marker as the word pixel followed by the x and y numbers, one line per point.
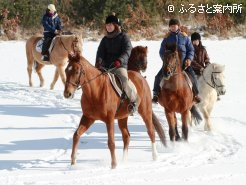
pixel 171 46
pixel 146 48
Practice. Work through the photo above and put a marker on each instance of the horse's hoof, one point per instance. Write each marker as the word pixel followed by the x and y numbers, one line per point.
pixel 113 166
pixel 155 157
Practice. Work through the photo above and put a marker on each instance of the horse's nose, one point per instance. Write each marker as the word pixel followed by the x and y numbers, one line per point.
pixel 168 73
pixel 67 94
pixel 223 92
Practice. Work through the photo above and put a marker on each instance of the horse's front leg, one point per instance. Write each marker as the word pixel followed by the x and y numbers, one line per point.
pixel 85 123
pixel 125 136
pixel 207 126
pixel 177 137
pixel 171 123
pixel 61 71
pixel 56 76
pixel 111 142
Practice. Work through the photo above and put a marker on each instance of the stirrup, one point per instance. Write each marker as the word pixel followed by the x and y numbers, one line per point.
pixel 45 58
pixel 197 99
pixel 155 99
pixel 132 108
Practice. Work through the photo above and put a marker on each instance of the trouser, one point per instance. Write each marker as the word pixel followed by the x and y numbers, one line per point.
pixel 127 85
pixel 189 70
pixel 46 44
pixel 157 82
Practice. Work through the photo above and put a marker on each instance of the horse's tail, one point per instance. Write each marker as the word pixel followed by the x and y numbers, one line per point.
pixel 196 116
pixel 159 129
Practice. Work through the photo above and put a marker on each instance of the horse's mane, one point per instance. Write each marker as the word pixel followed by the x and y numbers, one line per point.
pixel 136 52
pixel 75 57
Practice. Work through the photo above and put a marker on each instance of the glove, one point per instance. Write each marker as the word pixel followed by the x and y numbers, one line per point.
pixel 117 63
pixel 187 62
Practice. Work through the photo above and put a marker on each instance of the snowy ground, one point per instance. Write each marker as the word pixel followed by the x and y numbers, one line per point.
pixel 36 128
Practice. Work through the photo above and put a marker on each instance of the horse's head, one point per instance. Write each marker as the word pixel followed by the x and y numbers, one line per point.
pixel 138 59
pixel 171 61
pixel 215 72
pixel 71 43
pixel 74 72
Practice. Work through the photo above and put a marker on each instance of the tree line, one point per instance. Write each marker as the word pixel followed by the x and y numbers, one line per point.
pixel 135 15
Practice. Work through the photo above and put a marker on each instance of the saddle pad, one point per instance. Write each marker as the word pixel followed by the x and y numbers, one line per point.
pixel 39 45
pixel 117 88
pixel 188 79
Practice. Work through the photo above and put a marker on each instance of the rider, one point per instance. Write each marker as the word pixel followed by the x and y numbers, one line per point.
pixel 187 52
pixel 201 59
pixel 52 27
pixel 113 53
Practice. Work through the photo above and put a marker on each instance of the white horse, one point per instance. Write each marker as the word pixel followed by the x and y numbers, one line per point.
pixel 210 84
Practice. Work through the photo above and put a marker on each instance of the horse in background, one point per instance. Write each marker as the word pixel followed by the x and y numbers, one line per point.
pixel 210 84
pixel 99 101
pixel 63 45
pixel 176 95
pixel 138 59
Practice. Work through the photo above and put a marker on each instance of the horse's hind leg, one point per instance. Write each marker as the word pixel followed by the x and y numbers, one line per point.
pixel 84 124
pixel 30 61
pixel 125 136
pixel 56 76
pixel 147 118
pixel 39 72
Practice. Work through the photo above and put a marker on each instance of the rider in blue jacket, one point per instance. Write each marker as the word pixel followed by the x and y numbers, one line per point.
pixel 52 27
pixel 186 50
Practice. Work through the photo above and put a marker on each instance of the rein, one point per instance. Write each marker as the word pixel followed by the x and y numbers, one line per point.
pixel 78 85
pixel 74 45
pixel 213 85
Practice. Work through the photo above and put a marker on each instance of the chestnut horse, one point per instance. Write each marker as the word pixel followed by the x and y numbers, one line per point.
pixel 99 101
pixel 62 46
pixel 176 95
pixel 138 59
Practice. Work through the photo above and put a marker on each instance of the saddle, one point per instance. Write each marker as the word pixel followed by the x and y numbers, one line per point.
pixel 117 84
pixel 39 45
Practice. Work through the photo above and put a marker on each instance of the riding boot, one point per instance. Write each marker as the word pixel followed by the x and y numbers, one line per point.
pixel 157 87
pixel 46 44
pixel 195 91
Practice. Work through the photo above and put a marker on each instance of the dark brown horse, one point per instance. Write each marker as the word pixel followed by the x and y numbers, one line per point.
pixel 100 102
pixel 176 95
pixel 138 59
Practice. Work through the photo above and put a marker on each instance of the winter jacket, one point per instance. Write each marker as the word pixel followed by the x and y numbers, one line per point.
pixel 50 24
pixel 201 59
pixel 111 49
pixel 183 43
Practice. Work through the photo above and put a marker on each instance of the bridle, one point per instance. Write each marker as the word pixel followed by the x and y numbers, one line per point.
pixel 82 72
pixel 213 85
pixel 74 44
pixel 173 68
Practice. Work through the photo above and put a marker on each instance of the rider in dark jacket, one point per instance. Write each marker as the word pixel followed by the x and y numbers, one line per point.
pixel 113 53
pixel 52 27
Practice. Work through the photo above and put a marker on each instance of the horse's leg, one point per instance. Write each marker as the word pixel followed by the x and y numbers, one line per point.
pixel 147 118
pixel 171 123
pixel 111 142
pixel 184 118
pixel 84 124
pixel 125 136
pixel 207 125
pixel 56 76
pixel 177 137
pixel 61 71
pixel 39 72
pixel 30 62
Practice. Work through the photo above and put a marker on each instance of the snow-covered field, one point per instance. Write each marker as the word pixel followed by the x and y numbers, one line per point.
pixel 37 124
